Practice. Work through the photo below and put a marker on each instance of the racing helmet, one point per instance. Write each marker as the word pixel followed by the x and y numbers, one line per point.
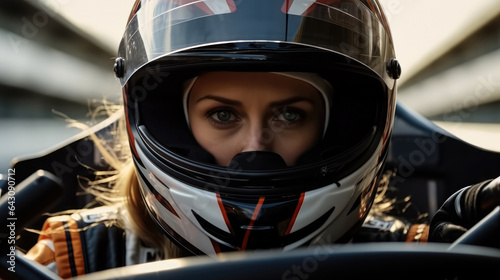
pixel 206 208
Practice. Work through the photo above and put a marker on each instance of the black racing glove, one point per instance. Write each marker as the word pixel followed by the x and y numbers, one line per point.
pixel 463 210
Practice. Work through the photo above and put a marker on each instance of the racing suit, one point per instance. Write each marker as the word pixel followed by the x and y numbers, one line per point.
pixel 88 241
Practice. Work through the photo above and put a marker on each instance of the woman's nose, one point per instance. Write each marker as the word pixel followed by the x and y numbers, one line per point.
pixel 257 138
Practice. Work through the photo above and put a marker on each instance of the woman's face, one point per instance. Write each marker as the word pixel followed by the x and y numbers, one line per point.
pixel 234 112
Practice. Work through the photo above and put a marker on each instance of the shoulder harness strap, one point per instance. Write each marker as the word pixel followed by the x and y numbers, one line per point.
pixel 64 233
pixel 86 242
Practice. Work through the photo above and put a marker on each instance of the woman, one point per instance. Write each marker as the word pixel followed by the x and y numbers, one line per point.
pixel 234 112
pixel 252 124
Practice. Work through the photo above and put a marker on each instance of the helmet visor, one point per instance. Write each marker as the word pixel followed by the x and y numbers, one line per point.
pixel 358 115
pixel 353 28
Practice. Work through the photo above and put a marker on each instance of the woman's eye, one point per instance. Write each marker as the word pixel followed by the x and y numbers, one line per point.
pixel 288 115
pixel 222 116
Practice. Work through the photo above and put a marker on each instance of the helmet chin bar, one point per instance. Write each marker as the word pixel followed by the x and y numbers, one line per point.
pixel 204 222
pixel 257 160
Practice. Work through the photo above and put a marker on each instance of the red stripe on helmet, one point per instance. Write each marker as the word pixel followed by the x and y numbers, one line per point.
pixel 252 221
pixel 224 214
pixel 296 213
pixel 286 6
pixel 216 246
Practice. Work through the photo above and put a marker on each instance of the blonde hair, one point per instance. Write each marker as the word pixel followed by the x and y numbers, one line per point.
pixel 120 186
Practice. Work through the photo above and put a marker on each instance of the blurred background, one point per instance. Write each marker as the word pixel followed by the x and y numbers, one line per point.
pixel 56 56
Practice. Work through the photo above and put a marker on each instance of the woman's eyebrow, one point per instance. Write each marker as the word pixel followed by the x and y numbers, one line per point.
pixel 292 100
pixel 272 104
pixel 220 99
